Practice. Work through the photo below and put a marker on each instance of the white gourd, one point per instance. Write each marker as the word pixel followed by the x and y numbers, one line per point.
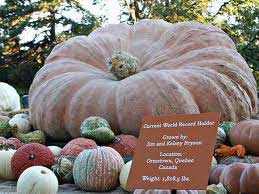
pixel 22 116
pixel 37 180
pixel 5 164
pixel 22 124
pixel 5 119
pixel 55 150
pixel 9 98
pixel 124 175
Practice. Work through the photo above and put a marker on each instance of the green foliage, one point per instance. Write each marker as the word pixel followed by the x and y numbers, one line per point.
pixel 243 29
pixel 20 59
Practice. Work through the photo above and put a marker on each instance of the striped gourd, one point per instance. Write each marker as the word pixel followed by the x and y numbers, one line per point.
pixel 97 169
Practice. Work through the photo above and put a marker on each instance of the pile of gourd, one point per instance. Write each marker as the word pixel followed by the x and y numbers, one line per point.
pixel 237 154
pixel 96 161
pixel 122 73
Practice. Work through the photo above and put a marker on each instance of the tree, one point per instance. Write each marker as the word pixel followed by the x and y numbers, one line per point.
pixel 168 10
pixel 238 18
pixel 241 22
pixel 49 20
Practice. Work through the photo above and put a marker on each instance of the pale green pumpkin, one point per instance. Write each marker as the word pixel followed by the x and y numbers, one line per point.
pixel 92 123
pixel 98 129
pixel 97 169
pixel 101 135
pixel 216 189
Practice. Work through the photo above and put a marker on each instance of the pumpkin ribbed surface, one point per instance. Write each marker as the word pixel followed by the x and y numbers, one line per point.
pixel 237 177
pixel 185 68
pixel 33 154
pixel 75 146
pixel 246 133
pixel 98 169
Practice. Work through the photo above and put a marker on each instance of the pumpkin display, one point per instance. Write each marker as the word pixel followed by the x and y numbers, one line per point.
pixel 63 168
pixel 23 125
pixel 186 67
pixel 55 150
pixel 75 146
pixel 9 98
pixel 221 136
pixel 227 126
pixel 6 172
pixel 101 135
pixel 124 176
pixel 237 177
pixel 33 154
pixel 98 169
pixel 125 145
pixel 5 129
pixel 37 180
pixel 232 159
pixel 11 143
pixel 246 133
pixel 5 119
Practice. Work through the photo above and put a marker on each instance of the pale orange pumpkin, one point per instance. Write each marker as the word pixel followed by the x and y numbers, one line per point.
pixel 121 73
pixel 246 133
pixel 236 177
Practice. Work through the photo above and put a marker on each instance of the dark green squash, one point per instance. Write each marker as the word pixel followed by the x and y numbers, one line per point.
pixel 63 169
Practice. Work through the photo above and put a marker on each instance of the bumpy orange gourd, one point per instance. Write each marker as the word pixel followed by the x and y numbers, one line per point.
pixel 224 151
pixel 121 73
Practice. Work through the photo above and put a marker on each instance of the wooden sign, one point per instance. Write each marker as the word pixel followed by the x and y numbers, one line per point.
pixel 174 152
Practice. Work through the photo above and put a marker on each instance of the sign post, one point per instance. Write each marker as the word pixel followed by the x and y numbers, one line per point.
pixel 174 152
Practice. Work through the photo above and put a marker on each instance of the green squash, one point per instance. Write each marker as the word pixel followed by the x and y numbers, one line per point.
pixel 227 126
pixel 32 137
pixel 101 135
pixel 5 129
pixel 63 169
pixel 216 189
pixel 92 123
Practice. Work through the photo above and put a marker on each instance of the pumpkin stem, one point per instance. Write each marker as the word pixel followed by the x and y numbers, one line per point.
pixel 31 157
pixel 122 65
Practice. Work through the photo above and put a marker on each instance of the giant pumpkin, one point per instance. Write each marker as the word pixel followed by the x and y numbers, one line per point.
pixel 121 73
